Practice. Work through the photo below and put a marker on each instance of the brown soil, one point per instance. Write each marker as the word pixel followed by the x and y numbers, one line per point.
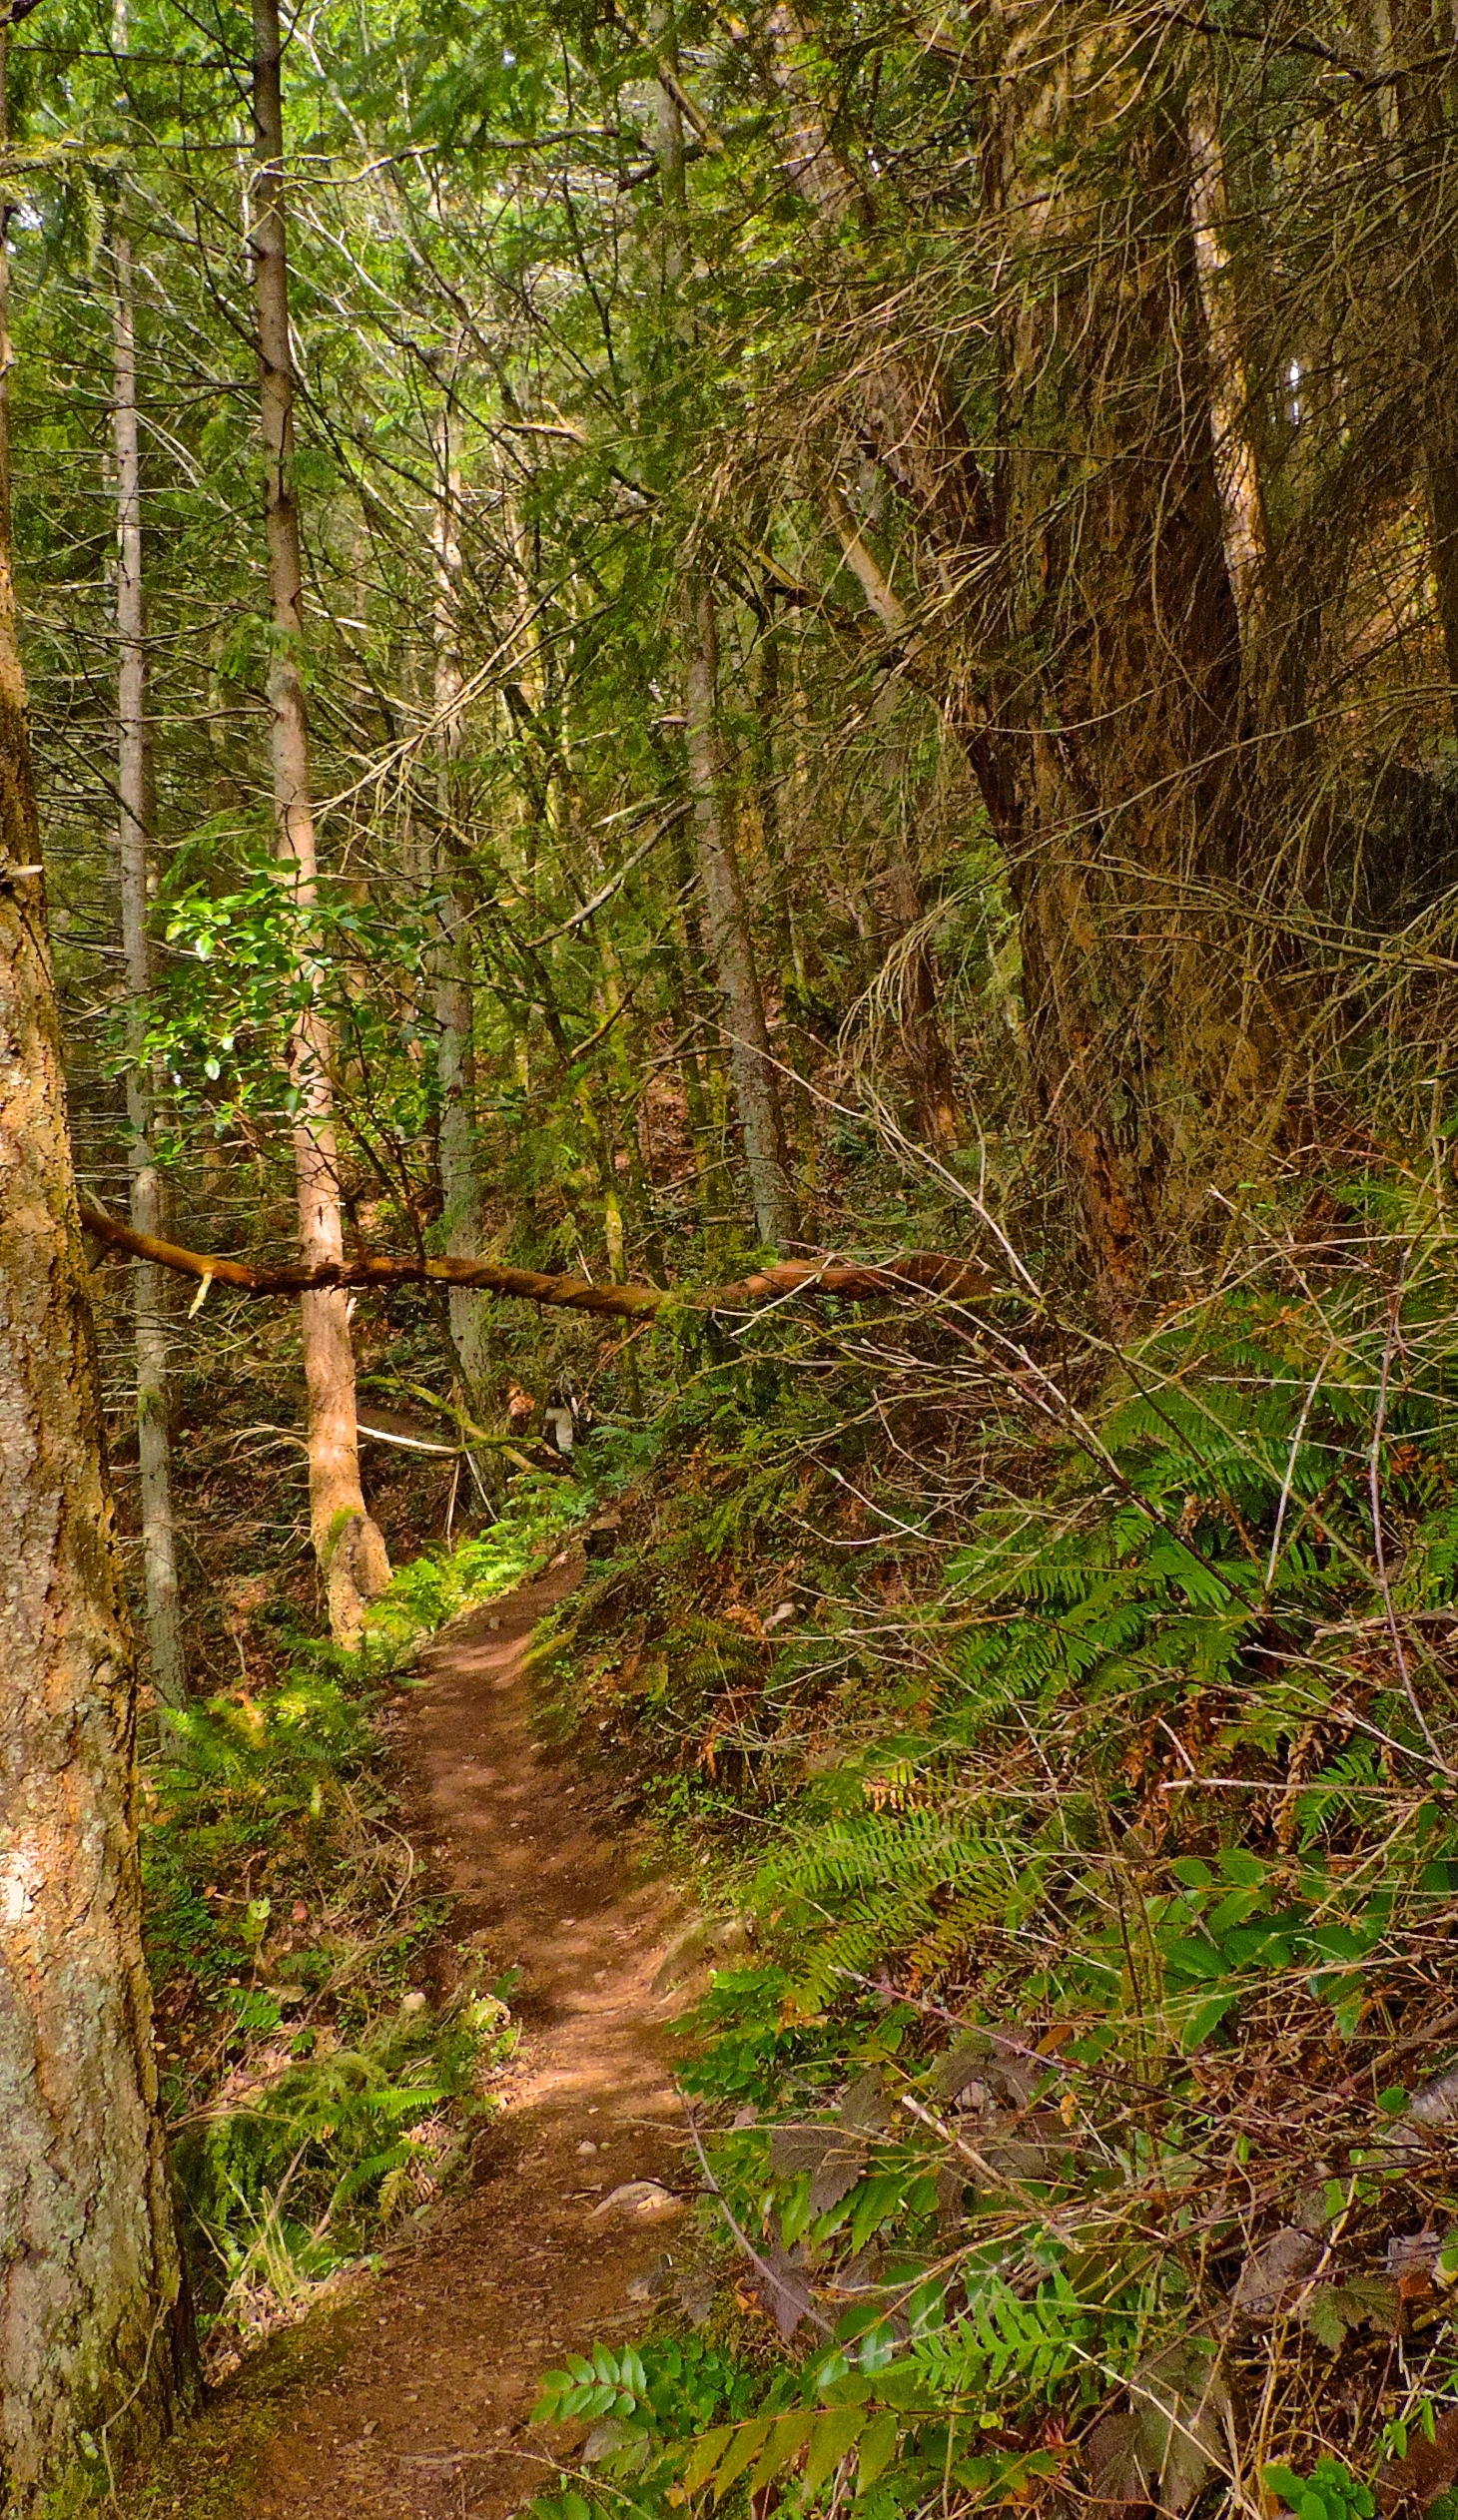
pixel 410 2402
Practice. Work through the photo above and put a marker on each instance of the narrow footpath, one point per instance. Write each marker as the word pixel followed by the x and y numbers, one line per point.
pixel 413 2402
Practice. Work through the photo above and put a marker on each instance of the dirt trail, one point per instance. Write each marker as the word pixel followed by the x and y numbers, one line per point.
pixel 424 2417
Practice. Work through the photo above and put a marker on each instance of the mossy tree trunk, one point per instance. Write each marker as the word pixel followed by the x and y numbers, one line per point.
pixel 95 2345
pixel 1080 630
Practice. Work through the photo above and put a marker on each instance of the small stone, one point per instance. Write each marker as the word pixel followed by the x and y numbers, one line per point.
pixel 697 2296
pixel 414 2002
pixel 644 2198
pixel 655 2282
pixel 586 2148
pixel 1436 2105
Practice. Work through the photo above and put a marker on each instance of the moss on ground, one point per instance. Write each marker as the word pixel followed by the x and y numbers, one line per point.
pixel 209 2468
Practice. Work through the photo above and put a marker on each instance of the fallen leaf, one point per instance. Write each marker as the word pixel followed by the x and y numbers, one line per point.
pixel 1160 2452
pixel 697 2293
pixel 835 2166
pixel 1411 2258
pixel 1436 2105
pixel 1273 2274
pixel 1115 2466
pixel 1357 2302
pixel 653 2283
pixel 781 2287
pixel 864 2105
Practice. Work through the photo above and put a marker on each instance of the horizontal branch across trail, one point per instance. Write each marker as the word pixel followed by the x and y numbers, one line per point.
pixel 914 1273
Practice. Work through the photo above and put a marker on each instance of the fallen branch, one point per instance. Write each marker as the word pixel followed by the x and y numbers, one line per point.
pixel 914 1273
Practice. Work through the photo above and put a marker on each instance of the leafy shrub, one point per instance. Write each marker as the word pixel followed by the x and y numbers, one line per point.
pixel 1330 2492
pixel 424 1594
pixel 287 2180
pixel 317 2100
pixel 1090 1936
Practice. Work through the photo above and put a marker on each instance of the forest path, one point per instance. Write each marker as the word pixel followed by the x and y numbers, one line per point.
pixel 423 2413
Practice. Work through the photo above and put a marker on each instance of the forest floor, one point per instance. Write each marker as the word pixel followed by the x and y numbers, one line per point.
pixel 410 2398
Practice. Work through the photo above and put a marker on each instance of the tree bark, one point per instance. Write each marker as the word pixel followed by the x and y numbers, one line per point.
pixel 460 1189
pixel 1095 673
pixel 1140 1032
pixel 1237 472
pixel 928 1058
pixel 348 1544
pixel 94 2334
pixel 961 1279
pixel 150 1286
pixel 730 942
pixel 1415 59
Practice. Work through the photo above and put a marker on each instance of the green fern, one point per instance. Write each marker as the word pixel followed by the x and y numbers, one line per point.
pixel 1006 2344
pixel 884 1885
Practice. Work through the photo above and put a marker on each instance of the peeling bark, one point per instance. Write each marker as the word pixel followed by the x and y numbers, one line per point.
pixel 1242 509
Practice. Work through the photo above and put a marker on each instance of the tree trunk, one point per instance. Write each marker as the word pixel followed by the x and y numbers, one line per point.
pixel 796 1101
pixel 151 1287
pixel 460 1191
pixel 729 940
pixel 94 2333
pixel 348 1545
pixel 928 1059
pixel 1095 675
pixel 1141 1033
pixel 1237 474
pixel 731 946
pixel 1415 58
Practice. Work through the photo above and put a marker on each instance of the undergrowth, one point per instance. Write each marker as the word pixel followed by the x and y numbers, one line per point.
pixel 325 2055
pixel 1080 1742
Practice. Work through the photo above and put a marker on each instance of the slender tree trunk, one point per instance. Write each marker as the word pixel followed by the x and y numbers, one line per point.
pixel 799 1105
pixel 151 1288
pixel 348 1545
pixel 461 1190
pixel 1237 474
pixel 1413 56
pixel 928 1058
pixel 730 942
pixel 94 2334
